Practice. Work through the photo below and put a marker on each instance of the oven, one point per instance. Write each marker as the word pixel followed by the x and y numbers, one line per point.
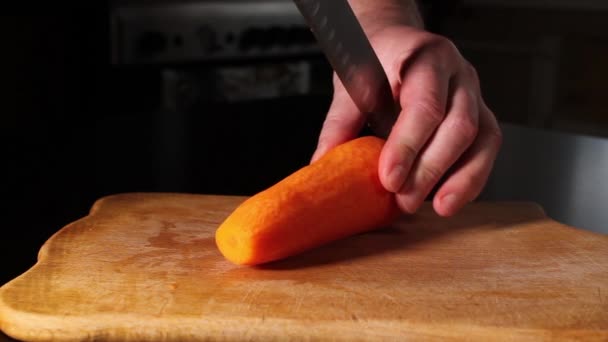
pixel 233 94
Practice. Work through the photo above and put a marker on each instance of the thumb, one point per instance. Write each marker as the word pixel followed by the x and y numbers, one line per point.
pixel 343 122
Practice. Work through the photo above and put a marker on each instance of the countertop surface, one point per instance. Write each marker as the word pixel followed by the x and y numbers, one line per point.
pixel 564 173
pixel 567 174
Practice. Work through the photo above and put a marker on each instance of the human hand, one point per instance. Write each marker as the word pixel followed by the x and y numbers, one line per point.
pixel 444 132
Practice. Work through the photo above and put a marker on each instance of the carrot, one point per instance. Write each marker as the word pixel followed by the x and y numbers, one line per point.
pixel 337 196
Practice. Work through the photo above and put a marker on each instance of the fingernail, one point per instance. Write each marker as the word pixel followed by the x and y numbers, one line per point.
pixel 396 178
pixel 449 203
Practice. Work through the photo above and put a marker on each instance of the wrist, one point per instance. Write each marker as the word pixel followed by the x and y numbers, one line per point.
pixel 377 15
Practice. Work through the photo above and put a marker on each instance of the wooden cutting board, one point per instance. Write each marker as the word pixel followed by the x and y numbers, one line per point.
pixel 145 267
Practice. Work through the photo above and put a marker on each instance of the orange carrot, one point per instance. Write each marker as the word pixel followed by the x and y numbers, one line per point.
pixel 337 196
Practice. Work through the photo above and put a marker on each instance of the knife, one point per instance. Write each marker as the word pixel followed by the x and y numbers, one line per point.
pixel 352 57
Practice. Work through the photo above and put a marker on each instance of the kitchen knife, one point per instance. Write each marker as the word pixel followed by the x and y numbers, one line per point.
pixel 352 57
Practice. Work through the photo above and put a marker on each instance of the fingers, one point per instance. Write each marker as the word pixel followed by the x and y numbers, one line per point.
pixel 344 121
pixel 473 169
pixel 423 97
pixel 451 139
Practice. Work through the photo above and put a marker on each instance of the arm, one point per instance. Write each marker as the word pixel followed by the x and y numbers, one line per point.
pixel 378 14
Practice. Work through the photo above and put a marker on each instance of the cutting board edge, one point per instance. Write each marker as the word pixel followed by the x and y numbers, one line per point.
pixel 263 329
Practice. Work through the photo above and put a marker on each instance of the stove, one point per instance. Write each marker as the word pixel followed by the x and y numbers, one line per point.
pixel 173 32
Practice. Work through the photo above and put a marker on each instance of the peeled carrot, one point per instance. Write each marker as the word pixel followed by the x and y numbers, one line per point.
pixel 337 196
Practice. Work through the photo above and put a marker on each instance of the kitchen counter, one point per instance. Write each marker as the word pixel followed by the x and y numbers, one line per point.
pixel 562 172
pixel 565 173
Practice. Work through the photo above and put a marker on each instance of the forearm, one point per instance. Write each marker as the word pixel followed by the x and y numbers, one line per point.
pixel 378 14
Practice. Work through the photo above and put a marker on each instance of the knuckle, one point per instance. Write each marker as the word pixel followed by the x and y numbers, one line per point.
pixel 429 39
pixel 445 54
pixel 445 45
pixel 466 127
pixel 430 109
pixel 430 174
pixel 426 38
pixel 495 137
pixel 470 71
pixel 408 151
pixel 436 66
pixel 450 48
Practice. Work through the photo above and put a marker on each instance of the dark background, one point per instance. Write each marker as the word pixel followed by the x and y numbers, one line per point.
pixel 75 127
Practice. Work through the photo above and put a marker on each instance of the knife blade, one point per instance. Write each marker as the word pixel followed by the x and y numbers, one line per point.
pixel 349 52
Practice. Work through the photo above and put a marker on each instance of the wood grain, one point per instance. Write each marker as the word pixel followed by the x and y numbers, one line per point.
pixel 145 267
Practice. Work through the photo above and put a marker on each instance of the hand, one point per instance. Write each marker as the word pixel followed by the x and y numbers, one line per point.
pixel 444 130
